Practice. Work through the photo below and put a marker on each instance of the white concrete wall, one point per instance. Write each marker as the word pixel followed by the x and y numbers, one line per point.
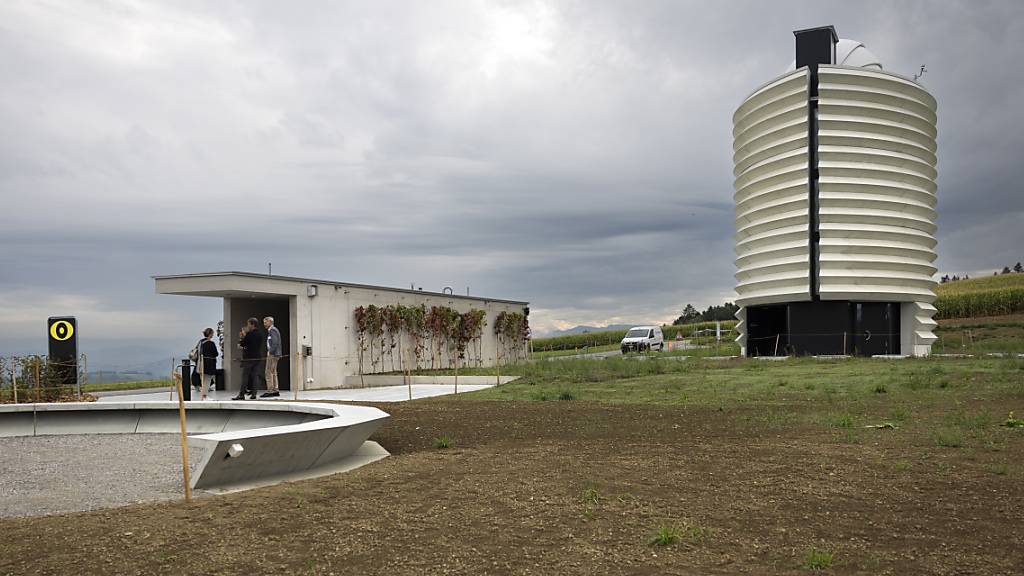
pixel 336 346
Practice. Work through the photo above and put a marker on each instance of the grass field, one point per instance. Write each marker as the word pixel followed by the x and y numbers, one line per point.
pixel 136 385
pixel 623 466
pixel 1001 334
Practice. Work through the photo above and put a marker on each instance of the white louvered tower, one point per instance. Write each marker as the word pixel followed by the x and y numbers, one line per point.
pixel 835 207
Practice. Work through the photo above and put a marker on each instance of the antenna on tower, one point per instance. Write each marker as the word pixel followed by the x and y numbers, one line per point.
pixel 920 73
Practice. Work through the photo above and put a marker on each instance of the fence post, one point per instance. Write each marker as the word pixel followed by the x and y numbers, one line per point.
pixel 37 379
pixel 776 345
pixel 844 342
pixel 85 373
pixel 174 375
pixel 14 383
pixel 299 365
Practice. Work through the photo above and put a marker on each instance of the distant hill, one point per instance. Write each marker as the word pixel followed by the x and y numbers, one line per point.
pixel 588 329
pixel 981 284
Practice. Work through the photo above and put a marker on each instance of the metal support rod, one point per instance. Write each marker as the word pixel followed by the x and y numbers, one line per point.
pixel 37 379
pixel 85 372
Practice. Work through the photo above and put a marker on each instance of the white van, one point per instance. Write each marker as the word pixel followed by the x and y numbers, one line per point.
pixel 643 338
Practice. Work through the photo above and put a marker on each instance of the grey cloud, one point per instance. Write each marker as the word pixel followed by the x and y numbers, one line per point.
pixel 574 154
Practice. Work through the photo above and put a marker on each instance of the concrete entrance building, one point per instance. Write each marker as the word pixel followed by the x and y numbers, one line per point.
pixel 317 317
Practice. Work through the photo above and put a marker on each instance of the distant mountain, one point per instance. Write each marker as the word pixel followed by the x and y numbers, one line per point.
pixel 586 329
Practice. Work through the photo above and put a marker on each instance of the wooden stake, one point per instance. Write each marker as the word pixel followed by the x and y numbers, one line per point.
pixel 497 363
pixel 37 379
pixel 174 377
pixel 14 384
pixel 844 342
pixel 456 371
pixel 408 379
pixel 184 443
pixel 776 345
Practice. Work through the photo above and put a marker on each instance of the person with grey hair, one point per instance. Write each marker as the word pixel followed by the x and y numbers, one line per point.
pixel 274 354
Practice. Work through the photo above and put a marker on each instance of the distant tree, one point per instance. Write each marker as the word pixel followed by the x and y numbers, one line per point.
pixel 944 279
pixel 966 277
pixel 726 311
pixel 955 278
pixel 1018 268
pixel 688 316
pixel 1006 270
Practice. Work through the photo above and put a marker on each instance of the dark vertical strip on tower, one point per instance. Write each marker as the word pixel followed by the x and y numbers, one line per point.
pixel 814 46
pixel 813 232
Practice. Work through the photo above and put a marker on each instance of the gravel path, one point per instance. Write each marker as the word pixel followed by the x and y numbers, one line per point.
pixel 53 474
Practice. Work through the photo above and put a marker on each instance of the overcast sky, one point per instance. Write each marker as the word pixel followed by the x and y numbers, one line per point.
pixel 573 154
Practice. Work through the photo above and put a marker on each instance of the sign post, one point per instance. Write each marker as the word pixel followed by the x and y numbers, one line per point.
pixel 62 365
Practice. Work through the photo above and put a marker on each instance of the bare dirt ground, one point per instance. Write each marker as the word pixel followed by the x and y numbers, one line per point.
pixel 579 488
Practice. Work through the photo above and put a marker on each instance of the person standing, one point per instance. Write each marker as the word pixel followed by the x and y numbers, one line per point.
pixel 206 362
pixel 252 346
pixel 274 354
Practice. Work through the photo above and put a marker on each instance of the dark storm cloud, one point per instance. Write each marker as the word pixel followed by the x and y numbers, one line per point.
pixel 574 154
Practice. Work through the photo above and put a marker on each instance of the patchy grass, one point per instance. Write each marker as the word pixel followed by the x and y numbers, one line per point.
pixel 740 381
pixel 948 438
pixel 665 535
pixel 442 442
pixel 816 559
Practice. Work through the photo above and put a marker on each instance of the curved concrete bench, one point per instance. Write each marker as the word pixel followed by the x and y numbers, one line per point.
pixel 279 440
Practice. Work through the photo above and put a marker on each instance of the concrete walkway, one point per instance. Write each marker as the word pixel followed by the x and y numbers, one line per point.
pixel 376 394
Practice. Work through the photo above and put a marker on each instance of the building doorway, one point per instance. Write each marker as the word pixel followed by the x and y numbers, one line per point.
pixel 240 309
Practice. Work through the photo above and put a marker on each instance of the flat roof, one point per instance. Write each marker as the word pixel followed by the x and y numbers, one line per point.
pixel 330 283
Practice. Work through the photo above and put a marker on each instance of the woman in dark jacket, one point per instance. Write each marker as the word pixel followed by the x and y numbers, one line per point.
pixel 206 362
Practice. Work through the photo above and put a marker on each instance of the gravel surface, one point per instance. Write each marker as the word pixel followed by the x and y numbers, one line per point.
pixel 51 474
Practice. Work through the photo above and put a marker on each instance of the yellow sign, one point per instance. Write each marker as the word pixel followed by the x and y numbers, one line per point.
pixel 62 330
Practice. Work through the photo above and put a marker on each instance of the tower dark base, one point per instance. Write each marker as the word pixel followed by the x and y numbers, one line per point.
pixel 823 328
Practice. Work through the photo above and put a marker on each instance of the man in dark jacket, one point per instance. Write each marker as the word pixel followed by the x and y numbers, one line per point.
pixel 253 347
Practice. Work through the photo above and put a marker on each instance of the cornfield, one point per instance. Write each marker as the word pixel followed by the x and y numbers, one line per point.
pixel 975 304
pixel 985 296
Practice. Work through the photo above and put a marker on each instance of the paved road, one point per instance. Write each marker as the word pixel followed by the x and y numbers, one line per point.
pixel 374 394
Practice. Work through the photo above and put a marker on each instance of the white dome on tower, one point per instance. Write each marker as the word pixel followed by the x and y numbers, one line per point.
pixel 851 53
pixel 854 53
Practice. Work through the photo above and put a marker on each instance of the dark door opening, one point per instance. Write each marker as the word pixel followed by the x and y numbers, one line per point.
pixel 259 308
pixel 876 328
pixel 767 330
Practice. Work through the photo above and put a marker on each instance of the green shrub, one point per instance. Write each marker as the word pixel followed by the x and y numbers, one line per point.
pixel 443 442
